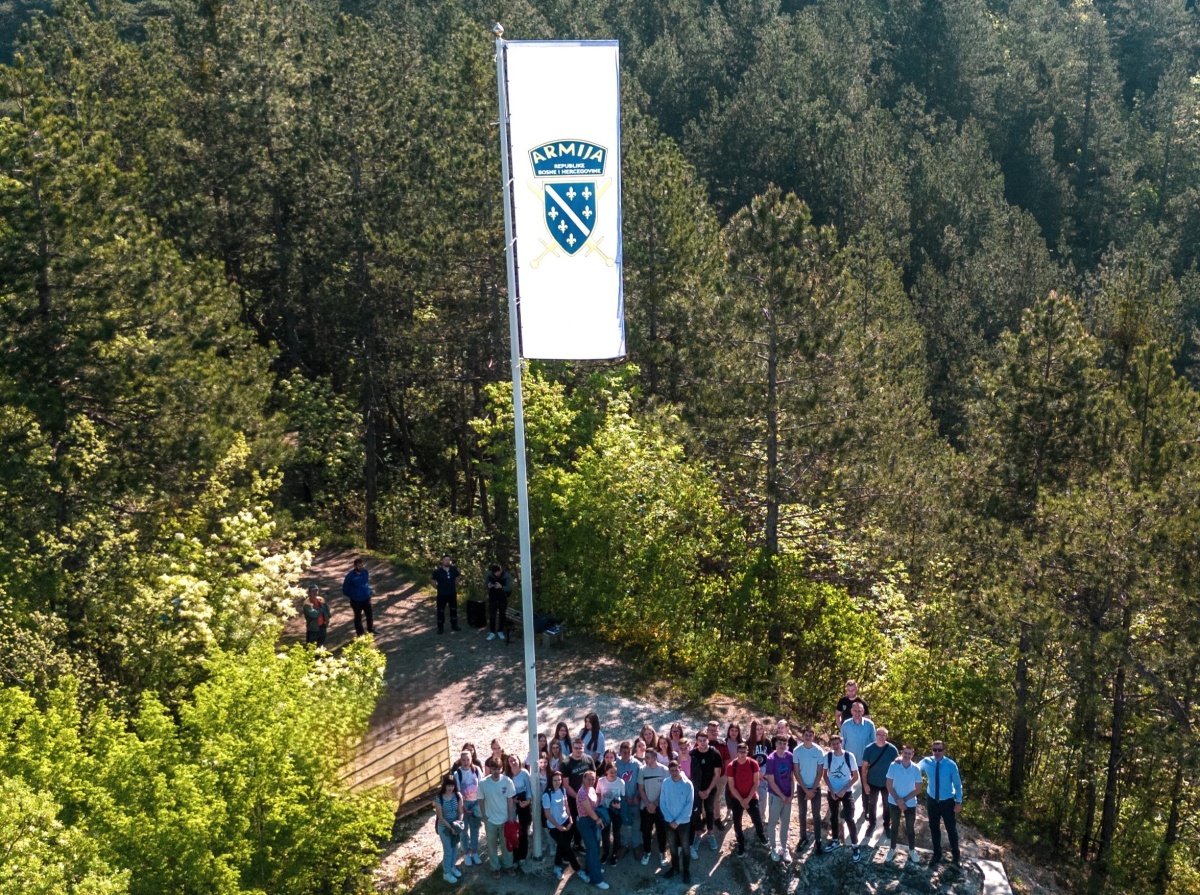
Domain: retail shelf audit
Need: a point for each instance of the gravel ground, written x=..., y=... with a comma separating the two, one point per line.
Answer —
x=479, y=687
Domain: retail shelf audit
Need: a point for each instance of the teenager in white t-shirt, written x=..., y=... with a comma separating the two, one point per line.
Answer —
x=904, y=786
x=840, y=773
x=809, y=758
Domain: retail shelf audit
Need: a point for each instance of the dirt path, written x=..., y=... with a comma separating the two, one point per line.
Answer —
x=479, y=687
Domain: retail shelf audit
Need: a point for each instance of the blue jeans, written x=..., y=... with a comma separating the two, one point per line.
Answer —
x=631, y=820
x=449, y=848
x=591, y=846
x=470, y=833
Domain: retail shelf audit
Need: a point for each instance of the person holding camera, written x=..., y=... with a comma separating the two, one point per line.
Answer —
x=499, y=587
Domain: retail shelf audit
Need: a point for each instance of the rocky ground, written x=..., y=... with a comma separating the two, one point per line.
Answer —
x=480, y=688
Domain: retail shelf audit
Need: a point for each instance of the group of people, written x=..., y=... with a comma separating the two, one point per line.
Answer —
x=356, y=588
x=669, y=791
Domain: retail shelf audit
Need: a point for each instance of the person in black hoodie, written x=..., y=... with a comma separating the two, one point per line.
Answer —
x=499, y=586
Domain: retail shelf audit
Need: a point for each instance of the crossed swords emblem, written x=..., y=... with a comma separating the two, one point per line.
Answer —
x=592, y=246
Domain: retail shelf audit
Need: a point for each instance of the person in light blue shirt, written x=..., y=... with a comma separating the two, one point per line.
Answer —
x=903, y=788
x=857, y=732
x=675, y=802
x=943, y=799
x=628, y=769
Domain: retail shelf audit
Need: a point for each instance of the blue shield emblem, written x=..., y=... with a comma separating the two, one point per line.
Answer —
x=570, y=213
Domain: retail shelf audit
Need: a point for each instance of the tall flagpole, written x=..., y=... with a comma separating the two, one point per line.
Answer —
x=514, y=336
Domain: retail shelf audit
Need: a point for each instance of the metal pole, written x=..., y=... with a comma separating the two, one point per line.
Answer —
x=514, y=335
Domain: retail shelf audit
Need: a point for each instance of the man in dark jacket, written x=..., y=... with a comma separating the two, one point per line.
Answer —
x=445, y=579
x=357, y=587
x=499, y=587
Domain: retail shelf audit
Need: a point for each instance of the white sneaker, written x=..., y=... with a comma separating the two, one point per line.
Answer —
x=912, y=856
x=478, y=860
x=891, y=855
x=450, y=878
x=695, y=852
x=458, y=873
x=785, y=857
x=665, y=862
x=712, y=841
x=602, y=885
x=583, y=876
x=502, y=636
x=775, y=856
x=645, y=859
x=491, y=635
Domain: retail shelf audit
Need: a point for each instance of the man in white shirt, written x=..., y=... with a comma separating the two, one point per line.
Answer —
x=840, y=774
x=650, y=781
x=903, y=787
x=497, y=793
x=807, y=759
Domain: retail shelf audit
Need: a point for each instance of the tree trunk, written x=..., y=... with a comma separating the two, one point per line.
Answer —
x=1162, y=875
x=367, y=335
x=371, y=468
x=1108, y=813
x=771, y=530
x=1020, y=730
x=1085, y=791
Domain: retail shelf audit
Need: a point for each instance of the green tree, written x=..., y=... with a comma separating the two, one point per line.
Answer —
x=673, y=262
x=237, y=794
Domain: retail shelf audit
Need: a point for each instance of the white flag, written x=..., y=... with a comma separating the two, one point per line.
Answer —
x=564, y=134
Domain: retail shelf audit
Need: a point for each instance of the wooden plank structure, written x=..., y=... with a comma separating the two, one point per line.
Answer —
x=409, y=754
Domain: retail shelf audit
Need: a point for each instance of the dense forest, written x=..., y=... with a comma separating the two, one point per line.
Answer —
x=911, y=396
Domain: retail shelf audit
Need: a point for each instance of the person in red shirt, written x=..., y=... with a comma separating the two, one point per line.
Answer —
x=742, y=794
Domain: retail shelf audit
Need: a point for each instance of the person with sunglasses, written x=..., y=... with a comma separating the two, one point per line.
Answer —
x=943, y=799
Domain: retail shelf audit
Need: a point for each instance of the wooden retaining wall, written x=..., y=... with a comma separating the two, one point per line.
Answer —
x=409, y=755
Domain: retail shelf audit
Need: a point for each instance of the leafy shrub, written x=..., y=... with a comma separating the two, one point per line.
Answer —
x=237, y=794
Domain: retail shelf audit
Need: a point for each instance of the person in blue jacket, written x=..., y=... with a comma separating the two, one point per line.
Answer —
x=675, y=801
x=357, y=588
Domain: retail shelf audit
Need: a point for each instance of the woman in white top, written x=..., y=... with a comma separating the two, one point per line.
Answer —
x=612, y=791
x=666, y=751
x=675, y=736
x=554, y=756
x=558, y=822
x=649, y=735
x=593, y=739
x=524, y=804
x=562, y=735
x=467, y=773
x=448, y=810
